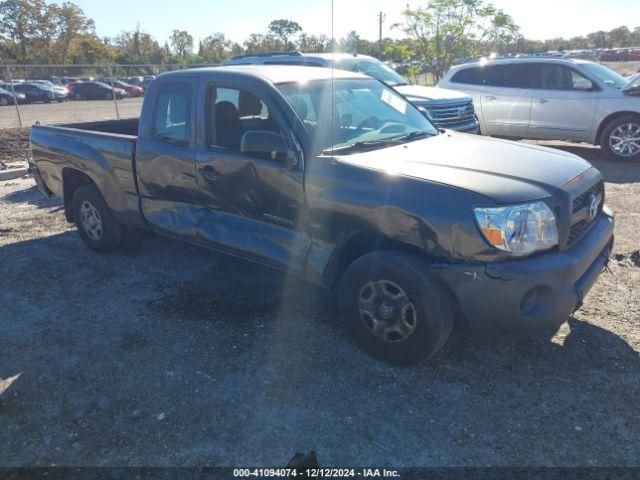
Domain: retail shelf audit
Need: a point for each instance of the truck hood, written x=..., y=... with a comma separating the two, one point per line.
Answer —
x=501, y=170
x=418, y=94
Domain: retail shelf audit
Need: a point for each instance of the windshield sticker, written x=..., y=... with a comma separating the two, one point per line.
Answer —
x=393, y=101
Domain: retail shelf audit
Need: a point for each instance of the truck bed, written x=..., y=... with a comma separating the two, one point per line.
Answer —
x=103, y=151
x=123, y=126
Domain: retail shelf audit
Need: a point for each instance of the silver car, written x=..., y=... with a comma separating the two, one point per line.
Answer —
x=553, y=99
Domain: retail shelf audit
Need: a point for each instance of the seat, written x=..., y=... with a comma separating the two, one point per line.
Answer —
x=228, y=129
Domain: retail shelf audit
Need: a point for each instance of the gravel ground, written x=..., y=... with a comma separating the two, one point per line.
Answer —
x=167, y=354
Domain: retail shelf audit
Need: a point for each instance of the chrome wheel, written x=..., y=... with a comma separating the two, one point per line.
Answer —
x=624, y=140
x=387, y=311
x=91, y=221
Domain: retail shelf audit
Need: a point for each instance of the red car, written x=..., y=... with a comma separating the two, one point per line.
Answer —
x=633, y=55
x=132, y=90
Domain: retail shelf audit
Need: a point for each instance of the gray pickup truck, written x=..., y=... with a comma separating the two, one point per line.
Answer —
x=338, y=179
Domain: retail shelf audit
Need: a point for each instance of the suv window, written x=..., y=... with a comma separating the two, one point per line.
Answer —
x=510, y=75
x=469, y=76
x=559, y=77
x=172, y=113
x=231, y=112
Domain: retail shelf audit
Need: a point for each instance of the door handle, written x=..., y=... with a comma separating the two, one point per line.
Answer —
x=490, y=97
x=543, y=100
x=210, y=174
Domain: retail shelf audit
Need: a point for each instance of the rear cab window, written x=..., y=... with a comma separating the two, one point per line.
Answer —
x=172, y=113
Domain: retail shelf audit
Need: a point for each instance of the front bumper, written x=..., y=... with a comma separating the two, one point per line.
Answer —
x=534, y=293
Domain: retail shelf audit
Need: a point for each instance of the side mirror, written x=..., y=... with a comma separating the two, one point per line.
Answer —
x=267, y=146
x=584, y=84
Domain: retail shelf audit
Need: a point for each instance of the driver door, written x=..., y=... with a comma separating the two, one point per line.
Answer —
x=253, y=204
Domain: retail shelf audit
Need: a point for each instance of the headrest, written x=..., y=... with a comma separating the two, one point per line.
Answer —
x=248, y=104
x=226, y=113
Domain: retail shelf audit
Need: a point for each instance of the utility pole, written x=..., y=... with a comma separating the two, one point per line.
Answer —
x=381, y=17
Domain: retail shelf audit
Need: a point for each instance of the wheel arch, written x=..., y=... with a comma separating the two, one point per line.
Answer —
x=605, y=121
x=357, y=244
x=72, y=179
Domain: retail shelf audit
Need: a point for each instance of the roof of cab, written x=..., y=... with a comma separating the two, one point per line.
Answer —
x=270, y=73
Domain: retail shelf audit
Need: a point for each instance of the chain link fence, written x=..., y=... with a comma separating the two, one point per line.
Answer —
x=20, y=109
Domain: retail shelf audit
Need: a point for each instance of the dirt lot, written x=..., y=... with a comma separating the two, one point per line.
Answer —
x=167, y=354
x=69, y=111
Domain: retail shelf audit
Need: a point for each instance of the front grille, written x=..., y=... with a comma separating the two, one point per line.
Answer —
x=581, y=200
x=581, y=217
x=450, y=115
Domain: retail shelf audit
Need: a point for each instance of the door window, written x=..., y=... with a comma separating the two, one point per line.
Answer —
x=559, y=77
x=469, y=76
x=510, y=76
x=231, y=112
x=172, y=113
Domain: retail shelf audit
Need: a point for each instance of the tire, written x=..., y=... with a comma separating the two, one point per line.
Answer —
x=101, y=232
x=108, y=96
x=4, y=101
x=426, y=311
x=625, y=126
x=77, y=96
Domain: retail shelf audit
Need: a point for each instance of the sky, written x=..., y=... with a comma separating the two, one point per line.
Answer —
x=538, y=19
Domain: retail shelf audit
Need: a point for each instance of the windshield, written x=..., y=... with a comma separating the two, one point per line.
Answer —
x=360, y=110
x=372, y=68
x=604, y=74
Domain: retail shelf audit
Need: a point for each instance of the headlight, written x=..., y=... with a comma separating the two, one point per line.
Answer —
x=519, y=229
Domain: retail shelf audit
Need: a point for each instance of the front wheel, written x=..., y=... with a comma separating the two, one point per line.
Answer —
x=96, y=224
x=394, y=309
x=621, y=138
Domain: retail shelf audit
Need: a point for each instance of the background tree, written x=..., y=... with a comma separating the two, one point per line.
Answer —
x=181, y=43
x=284, y=29
x=447, y=30
x=215, y=48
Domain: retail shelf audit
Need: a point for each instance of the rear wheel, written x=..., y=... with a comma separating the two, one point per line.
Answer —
x=394, y=309
x=96, y=224
x=621, y=138
x=4, y=101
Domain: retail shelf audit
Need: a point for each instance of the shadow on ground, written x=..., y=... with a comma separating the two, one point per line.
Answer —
x=167, y=354
x=613, y=172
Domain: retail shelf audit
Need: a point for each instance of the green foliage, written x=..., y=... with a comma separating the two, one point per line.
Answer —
x=181, y=43
x=447, y=30
x=284, y=29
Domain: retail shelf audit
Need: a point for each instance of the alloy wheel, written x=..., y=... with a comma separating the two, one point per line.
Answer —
x=91, y=220
x=624, y=140
x=387, y=311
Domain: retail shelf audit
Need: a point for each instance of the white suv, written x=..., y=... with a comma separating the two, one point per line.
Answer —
x=553, y=99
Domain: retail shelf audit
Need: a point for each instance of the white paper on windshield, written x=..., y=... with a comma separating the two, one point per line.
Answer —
x=393, y=101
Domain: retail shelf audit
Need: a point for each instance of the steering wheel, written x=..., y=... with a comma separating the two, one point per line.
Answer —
x=370, y=122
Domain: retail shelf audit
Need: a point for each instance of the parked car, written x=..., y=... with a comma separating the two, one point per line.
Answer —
x=338, y=179
x=445, y=108
x=553, y=99
x=7, y=97
x=60, y=92
x=131, y=90
x=34, y=92
x=94, y=91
